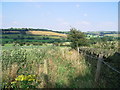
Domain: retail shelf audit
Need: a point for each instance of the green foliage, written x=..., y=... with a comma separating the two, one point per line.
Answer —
x=61, y=71
x=77, y=38
x=106, y=45
x=23, y=81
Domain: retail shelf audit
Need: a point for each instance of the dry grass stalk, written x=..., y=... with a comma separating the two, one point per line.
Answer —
x=13, y=71
x=40, y=69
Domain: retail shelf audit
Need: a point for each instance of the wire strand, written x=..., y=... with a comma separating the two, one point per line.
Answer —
x=104, y=63
x=111, y=67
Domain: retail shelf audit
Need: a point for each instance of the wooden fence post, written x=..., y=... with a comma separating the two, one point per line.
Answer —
x=46, y=66
x=99, y=63
x=46, y=73
x=78, y=50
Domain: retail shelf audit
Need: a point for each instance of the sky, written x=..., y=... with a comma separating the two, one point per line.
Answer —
x=61, y=16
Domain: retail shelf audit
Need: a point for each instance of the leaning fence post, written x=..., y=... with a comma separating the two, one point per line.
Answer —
x=99, y=63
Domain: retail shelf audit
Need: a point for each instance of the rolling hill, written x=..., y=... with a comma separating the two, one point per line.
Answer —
x=32, y=35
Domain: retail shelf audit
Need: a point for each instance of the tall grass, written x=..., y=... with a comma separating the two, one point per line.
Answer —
x=65, y=67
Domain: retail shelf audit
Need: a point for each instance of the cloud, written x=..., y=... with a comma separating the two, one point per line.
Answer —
x=107, y=26
x=38, y=6
x=59, y=19
x=15, y=23
x=48, y=13
x=62, y=21
x=65, y=23
x=77, y=5
x=83, y=23
x=85, y=14
x=95, y=26
x=1, y=17
x=30, y=0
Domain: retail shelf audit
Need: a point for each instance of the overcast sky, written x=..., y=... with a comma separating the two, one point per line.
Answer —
x=85, y=16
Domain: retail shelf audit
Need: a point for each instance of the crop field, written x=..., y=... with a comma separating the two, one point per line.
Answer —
x=32, y=37
x=26, y=68
x=45, y=33
x=114, y=35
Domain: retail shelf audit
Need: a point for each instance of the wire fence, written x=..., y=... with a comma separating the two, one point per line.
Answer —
x=111, y=67
x=96, y=58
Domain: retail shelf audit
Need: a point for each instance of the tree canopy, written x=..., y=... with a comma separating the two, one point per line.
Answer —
x=77, y=38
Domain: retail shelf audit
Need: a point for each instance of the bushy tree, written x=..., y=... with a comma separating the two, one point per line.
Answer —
x=77, y=38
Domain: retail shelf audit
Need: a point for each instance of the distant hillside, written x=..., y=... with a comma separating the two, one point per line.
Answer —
x=102, y=33
x=24, y=35
x=34, y=32
x=49, y=33
x=28, y=35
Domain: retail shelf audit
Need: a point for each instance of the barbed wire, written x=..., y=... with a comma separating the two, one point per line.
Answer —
x=91, y=56
x=103, y=63
x=111, y=67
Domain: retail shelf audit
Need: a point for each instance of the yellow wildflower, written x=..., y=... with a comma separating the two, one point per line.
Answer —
x=70, y=52
x=31, y=79
x=13, y=82
x=25, y=78
x=21, y=78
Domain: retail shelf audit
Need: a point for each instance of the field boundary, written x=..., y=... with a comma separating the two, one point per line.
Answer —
x=100, y=61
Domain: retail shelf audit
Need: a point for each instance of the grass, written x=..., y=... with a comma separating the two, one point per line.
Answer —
x=66, y=69
x=70, y=72
x=8, y=45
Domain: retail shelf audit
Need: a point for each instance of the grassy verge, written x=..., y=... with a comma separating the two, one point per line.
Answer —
x=66, y=69
x=69, y=70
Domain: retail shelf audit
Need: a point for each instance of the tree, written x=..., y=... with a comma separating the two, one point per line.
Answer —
x=77, y=38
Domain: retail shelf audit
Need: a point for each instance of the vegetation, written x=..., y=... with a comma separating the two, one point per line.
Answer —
x=77, y=38
x=65, y=68
x=44, y=59
x=32, y=36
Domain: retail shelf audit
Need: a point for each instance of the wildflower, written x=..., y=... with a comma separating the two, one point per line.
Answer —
x=25, y=78
x=31, y=79
x=21, y=78
x=70, y=52
x=13, y=82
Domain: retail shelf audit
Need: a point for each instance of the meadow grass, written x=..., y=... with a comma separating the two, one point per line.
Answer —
x=66, y=68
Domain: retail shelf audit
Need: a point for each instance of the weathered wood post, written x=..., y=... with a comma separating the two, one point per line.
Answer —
x=99, y=63
x=46, y=66
x=46, y=73
x=78, y=50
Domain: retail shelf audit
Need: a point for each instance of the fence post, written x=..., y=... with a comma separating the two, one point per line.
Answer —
x=78, y=50
x=99, y=63
x=46, y=73
x=46, y=66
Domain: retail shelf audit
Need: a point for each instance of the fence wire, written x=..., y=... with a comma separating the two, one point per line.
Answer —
x=111, y=67
x=103, y=63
